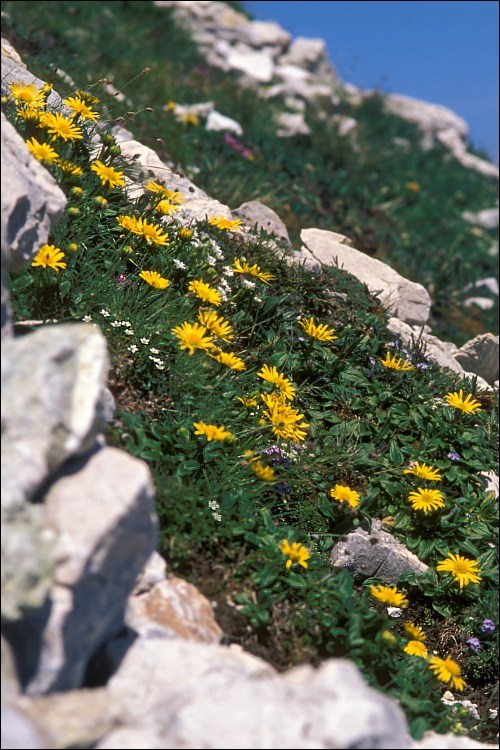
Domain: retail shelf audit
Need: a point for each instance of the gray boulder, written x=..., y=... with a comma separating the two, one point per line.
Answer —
x=255, y=213
x=480, y=356
x=375, y=554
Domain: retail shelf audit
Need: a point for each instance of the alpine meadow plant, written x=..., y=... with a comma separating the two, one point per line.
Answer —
x=275, y=410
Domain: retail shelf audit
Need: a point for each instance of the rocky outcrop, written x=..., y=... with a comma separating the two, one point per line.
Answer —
x=408, y=301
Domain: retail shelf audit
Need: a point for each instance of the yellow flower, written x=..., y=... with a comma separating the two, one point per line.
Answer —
x=49, y=257
x=165, y=207
x=222, y=223
x=318, y=331
x=27, y=94
x=416, y=632
x=212, y=432
x=42, y=151
x=193, y=336
x=272, y=375
x=295, y=552
x=61, y=127
x=108, y=175
x=463, y=570
x=447, y=670
x=389, y=595
x=189, y=118
x=127, y=222
x=413, y=187
x=388, y=637
x=154, y=279
x=185, y=233
x=264, y=472
x=285, y=421
x=345, y=495
x=426, y=500
x=423, y=471
x=151, y=232
x=249, y=401
x=69, y=168
x=467, y=404
x=254, y=270
x=396, y=363
x=205, y=292
x=218, y=326
x=230, y=360
x=79, y=107
x=416, y=648
x=170, y=195
x=29, y=113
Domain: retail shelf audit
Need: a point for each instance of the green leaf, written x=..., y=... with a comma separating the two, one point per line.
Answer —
x=395, y=454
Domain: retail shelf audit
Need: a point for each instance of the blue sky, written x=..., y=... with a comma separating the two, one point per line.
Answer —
x=445, y=52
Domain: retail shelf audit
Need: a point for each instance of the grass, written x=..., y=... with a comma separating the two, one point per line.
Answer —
x=227, y=505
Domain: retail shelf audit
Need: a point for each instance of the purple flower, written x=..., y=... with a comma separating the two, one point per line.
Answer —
x=474, y=644
x=453, y=456
x=422, y=366
x=488, y=626
x=372, y=361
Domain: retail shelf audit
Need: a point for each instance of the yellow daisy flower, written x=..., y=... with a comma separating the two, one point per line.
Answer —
x=166, y=207
x=423, y=471
x=468, y=404
x=42, y=151
x=389, y=595
x=285, y=421
x=216, y=325
x=108, y=175
x=49, y=256
x=271, y=375
x=318, y=331
x=212, y=432
x=151, y=232
x=463, y=570
x=416, y=648
x=229, y=359
x=79, y=107
x=264, y=472
x=193, y=336
x=254, y=270
x=221, y=222
x=447, y=671
x=28, y=95
x=72, y=170
x=61, y=127
x=426, y=500
x=170, y=195
x=396, y=363
x=295, y=552
x=205, y=292
x=185, y=233
x=154, y=279
x=345, y=495
x=127, y=222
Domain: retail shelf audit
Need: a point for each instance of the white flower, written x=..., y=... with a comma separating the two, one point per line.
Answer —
x=105, y=313
x=228, y=271
x=217, y=517
x=210, y=260
x=247, y=283
x=115, y=324
x=394, y=611
x=126, y=323
x=129, y=332
x=133, y=348
x=159, y=367
x=179, y=263
x=154, y=351
x=144, y=341
x=87, y=318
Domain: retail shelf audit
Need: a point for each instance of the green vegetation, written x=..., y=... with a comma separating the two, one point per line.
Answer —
x=275, y=410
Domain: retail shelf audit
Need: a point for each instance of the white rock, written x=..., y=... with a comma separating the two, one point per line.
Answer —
x=487, y=218
x=407, y=300
x=256, y=65
x=216, y=121
x=485, y=303
x=292, y=123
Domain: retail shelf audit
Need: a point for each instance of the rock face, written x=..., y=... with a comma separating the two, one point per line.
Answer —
x=375, y=554
x=480, y=356
x=255, y=214
x=408, y=301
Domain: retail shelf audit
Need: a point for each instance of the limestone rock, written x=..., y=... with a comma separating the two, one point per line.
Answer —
x=195, y=695
x=431, y=118
x=52, y=383
x=173, y=607
x=480, y=356
x=101, y=511
x=291, y=124
x=435, y=741
x=487, y=218
x=154, y=571
x=312, y=55
x=255, y=213
x=376, y=554
x=255, y=64
x=406, y=300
